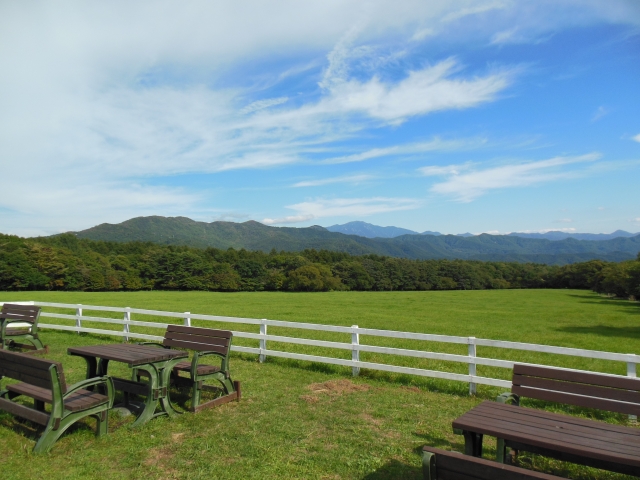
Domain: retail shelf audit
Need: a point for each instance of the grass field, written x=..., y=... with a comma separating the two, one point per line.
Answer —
x=301, y=420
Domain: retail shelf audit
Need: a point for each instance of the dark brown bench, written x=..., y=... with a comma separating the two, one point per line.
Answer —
x=203, y=342
x=19, y=323
x=443, y=465
x=43, y=381
x=569, y=438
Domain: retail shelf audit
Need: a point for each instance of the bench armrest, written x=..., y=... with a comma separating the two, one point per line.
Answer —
x=84, y=384
x=224, y=366
x=508, y=398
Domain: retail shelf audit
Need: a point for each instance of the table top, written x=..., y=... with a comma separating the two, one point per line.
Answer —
x=553, y=431
x=128, y=353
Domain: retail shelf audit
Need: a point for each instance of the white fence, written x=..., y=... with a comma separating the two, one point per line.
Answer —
x=355, y=346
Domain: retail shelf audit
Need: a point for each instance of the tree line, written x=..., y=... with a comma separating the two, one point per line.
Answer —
x=67, y=263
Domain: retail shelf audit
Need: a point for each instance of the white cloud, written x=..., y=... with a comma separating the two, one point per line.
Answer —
x=286, y=220
x=434, y=145
x=564, y=220
x=435, y=171
x=338, y=207
x=468, y=186
x=354, y=179
x=262, y=104
x=547, y=230
x=636, y=138
x=423, y=91
x=600, y=112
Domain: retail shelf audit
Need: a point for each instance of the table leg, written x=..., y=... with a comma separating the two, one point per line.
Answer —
x=473, y=443
x=165, y=384
x=91, y=369
x=151, y=401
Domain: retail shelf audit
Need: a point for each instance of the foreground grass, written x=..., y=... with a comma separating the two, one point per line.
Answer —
x=301, y=420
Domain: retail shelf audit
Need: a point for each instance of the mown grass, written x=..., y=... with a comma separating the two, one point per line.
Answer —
x=302, y=420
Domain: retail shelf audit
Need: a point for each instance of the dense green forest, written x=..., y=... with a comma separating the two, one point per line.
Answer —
x=65, y=262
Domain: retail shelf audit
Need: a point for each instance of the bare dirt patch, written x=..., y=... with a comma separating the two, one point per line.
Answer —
x=332, y=388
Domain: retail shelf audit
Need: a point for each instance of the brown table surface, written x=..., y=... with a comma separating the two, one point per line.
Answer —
x=128, y=353
x=564, y=434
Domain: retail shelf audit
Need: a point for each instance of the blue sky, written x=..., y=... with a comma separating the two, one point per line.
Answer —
x=479, y=116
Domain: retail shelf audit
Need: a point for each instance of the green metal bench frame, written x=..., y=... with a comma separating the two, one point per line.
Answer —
x=203, y=342
x=17, y=314
x=43, y=380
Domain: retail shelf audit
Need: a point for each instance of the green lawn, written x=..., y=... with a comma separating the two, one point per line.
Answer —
x=301, y=420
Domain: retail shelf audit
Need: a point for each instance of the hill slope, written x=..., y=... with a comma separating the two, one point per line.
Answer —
x=256, y=236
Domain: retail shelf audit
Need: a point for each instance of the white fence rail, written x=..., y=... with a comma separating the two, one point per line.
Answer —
x=355, y=346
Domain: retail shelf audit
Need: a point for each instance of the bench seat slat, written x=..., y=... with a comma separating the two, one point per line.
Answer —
x=77, y=401
x=625, y=383
x=202, y=369
x=587, y=402
x=41, y=418
x=205, y=332
x=195, y=346
x=577, y=388
x=456, y=466
x=222, y=342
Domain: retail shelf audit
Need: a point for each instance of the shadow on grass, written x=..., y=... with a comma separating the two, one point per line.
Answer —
x=394, y=470
x=613, y=302
x=603, y=331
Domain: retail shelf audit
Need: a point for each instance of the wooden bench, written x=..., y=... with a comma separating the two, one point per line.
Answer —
x=574, y=439
x=20, y=323
x=203, y=342
x=43, y=381
x=443, y=465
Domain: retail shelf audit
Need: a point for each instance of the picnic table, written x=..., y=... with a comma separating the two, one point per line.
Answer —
x=572, y=439
x=156, y=362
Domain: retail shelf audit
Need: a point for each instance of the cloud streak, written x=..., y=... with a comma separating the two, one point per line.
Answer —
x=465, y=187
x=339, y=207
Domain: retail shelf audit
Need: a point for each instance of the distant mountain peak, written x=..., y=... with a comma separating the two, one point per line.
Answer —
x=368, y=230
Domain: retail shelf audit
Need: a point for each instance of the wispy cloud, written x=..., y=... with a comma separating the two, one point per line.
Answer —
x=262, y=104
x=434, y=145
x=354, y=179
x=437, y=171
x=338, y=207
x=602, y=111
x=424, y=91
x=636, y=138
x=468, y=186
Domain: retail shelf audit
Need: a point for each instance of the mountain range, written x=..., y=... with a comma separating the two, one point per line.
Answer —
x=368, y=230
x=252, y=235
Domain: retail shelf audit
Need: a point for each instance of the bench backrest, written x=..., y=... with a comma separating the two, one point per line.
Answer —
x=198, y=339
x=444, y=465
x=32, y=370
x=583, y=389
x=21, y=313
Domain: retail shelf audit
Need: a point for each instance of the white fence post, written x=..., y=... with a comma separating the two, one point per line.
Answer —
x=78, y=321
x=187, y=319
x=472, y=364
x=127, y=318
x=355, y=352
x=263, y=341
x=631, y=372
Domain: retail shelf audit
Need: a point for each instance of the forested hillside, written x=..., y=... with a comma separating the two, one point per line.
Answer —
x=256, y=236
x=67, y=263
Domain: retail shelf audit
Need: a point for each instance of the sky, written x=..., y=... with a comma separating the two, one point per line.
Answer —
x=449, y=115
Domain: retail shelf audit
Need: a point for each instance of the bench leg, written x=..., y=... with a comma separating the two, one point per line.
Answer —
x=429, y=466
x=102, y=427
